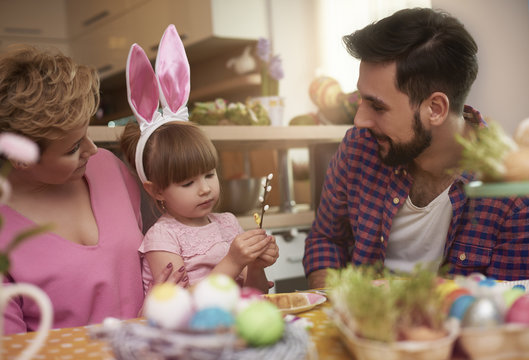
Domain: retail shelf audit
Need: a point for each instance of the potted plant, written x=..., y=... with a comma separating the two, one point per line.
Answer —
x=271, y=72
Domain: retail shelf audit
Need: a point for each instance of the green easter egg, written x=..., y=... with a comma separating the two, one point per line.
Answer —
x=260, y=323
x=509, y=296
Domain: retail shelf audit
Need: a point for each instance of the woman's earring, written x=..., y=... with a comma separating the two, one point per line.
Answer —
x=162, y=205
x=20, y=165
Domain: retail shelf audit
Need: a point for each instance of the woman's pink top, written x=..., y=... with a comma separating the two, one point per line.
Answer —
x=201, y=248
x=85, y=283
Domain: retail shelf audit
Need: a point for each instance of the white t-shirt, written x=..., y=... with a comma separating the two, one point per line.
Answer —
x=418, y=235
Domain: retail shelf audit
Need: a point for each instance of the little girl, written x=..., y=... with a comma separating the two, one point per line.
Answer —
x=176, y=163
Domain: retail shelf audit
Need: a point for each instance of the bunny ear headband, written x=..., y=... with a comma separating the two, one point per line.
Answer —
x=145, y=89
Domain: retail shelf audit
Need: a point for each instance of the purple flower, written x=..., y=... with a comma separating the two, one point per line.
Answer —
x=271, y=68
x=18, y=148
x=275, y=68
x=263, y=49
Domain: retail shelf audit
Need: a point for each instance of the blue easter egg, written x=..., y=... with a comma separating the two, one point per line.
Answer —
x=519, y=286
x=460, y=306
x=211, y=318
x=489, y=282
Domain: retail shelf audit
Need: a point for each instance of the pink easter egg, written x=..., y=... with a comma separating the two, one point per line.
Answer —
x=519, y=311
x=250, y=293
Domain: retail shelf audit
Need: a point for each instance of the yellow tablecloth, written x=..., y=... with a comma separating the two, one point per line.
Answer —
x=76, y=344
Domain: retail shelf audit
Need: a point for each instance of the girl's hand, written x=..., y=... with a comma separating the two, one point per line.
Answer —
x=249, y=245
x=269, y=256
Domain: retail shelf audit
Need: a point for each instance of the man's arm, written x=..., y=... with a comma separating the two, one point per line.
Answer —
x=326, y=245
x=317, y=279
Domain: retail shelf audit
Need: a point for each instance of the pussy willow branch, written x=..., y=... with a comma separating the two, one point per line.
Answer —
x=267, y=183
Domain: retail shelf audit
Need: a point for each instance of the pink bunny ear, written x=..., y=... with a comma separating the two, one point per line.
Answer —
x=172, y=68
x=142, y=86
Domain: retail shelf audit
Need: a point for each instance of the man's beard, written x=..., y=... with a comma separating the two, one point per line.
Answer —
x=401, y=154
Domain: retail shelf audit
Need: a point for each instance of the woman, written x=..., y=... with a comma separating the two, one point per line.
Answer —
x=88, y=264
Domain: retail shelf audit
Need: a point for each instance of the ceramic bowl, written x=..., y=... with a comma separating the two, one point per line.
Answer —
x=239, y=196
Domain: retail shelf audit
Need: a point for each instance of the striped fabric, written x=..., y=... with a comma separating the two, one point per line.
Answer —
x=361, y=196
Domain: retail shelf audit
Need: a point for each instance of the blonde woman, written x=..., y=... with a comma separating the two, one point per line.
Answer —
x=88, y=264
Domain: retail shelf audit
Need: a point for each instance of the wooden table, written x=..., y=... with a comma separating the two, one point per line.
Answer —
x=76, y=344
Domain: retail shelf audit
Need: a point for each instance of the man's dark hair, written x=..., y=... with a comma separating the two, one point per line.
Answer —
x=432, y=50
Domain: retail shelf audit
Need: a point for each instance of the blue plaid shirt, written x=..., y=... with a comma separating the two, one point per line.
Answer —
x=361, y=196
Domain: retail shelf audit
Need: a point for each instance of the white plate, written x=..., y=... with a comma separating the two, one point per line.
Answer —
x=313, y=300
x=511, y=284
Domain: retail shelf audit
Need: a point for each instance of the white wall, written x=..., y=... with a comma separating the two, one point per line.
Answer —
x=500, y=27
x=293, y=35
x=501, y=30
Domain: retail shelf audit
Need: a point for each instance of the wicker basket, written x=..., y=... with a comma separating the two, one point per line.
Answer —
x=364, y=349
x=139, y=341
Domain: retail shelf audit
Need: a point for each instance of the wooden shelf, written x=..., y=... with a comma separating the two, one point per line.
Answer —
x=233, y=137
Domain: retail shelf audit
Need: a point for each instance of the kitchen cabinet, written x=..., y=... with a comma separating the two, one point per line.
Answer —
x=28, y=22
x=103, y=31
x=85, y=16
x=106, y=46
x=33, y=24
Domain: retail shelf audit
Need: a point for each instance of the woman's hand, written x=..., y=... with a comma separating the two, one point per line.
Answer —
x=178, y=277
x=167, y=267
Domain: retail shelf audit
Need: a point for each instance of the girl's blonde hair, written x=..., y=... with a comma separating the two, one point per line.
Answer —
x=44, y=95
x=175, y=152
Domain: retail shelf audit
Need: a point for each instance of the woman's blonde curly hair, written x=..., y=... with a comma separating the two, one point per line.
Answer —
x=44, y=95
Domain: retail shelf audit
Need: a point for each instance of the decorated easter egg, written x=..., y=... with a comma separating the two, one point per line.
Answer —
x=260, y=323
x=251, y=293
x=325, y=92
x=168, y=306
x=483, y=312
x=510, y=295
x=460, y=306
x=489, y=282
x=248, y=295
x=477, y=277
x=446, y=287
x=216, y=290
x=519, y=286
x=211, y=318
x=519, y=311
x=453, y=296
